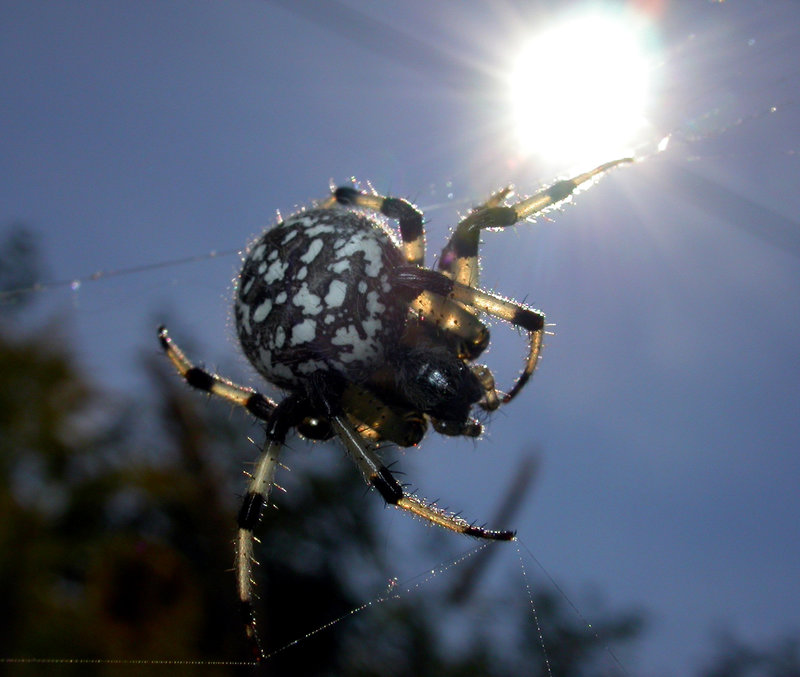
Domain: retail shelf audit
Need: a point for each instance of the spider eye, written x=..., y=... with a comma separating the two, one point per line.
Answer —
x=436, y=379
x=315, y=429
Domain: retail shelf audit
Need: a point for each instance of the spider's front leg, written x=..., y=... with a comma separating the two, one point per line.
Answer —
x=421, y=281
x=378, y=475
x=459, y=257
x=450, y=300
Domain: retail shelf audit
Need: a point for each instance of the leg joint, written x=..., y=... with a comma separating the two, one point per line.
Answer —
x=528, y=319
x=250, y=512
x=200, y=379
x=387, y=486
x=345, y=195
x=260, y=406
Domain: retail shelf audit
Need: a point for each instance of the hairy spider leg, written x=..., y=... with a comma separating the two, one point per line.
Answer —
x=379, y=476
x=262, y=478
x=419, y=280
x=257, y=404
x=258, y=491
x=412, y=231
x=459, y=257
x=284, y=417
x=466, y=269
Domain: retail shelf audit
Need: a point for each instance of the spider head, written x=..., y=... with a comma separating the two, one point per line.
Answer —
x=438, y=383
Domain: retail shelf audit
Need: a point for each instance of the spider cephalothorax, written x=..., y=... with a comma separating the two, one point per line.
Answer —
x=369, y=345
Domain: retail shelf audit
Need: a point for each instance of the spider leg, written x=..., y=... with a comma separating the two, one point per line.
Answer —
x=279, y=418
x=486, y=379
x=419, y=280
x=378, y=475
x=249, y=515
x=285, y=415
x=469, y=428
x=257, y=404
x=459, y=257
x=452, y=322
x=412, y=231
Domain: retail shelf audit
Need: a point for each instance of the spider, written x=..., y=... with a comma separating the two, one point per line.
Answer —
x=370, y=346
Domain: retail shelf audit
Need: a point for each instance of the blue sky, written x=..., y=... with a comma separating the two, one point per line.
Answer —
x=666, y=407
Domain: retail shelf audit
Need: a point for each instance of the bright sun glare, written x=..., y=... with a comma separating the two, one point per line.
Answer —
x=579, y=88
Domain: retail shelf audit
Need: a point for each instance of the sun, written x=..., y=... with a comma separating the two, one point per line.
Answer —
x=579, y=88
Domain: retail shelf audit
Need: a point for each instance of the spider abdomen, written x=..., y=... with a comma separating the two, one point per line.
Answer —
x=315, y=294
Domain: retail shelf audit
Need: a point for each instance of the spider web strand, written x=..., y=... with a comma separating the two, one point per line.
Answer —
x=76, y=282
x=535, y=615
x=407, y=588
x=118, y=661
x=571, y=604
